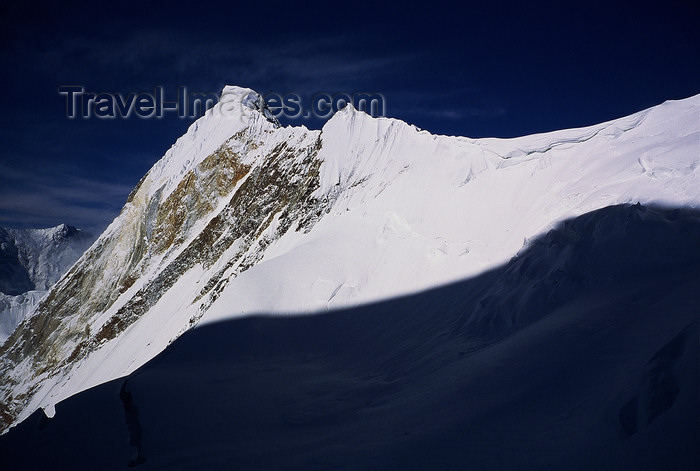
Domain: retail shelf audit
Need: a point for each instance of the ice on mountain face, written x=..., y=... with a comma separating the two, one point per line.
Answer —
x=14, y=309
x=44, y=254
x=31, y=261
x=242, y=216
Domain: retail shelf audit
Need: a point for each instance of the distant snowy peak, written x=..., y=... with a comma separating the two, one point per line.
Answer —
x=34, y=259
x=31, y=261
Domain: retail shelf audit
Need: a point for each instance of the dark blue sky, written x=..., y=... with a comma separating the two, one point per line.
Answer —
x=488, y=69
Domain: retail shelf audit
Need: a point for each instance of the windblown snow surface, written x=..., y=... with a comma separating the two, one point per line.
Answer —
x=436, y=348
x=580, y=353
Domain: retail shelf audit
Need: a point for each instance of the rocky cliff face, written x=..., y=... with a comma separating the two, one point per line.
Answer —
x=234, y=200
x=243, y=216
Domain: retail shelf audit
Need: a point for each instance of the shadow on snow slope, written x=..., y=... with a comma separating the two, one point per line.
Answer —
x=580, y=353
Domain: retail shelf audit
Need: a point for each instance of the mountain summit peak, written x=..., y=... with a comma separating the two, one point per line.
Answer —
x=239, y=100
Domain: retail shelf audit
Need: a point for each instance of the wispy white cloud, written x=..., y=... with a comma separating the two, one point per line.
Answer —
x=38, y=197
x=459, y=101
x=299, y=65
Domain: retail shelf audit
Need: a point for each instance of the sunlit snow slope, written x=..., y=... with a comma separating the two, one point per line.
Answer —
x=581, y=353
x=242, y=216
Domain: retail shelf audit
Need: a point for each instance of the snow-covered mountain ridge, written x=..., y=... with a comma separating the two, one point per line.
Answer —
x=243, y=216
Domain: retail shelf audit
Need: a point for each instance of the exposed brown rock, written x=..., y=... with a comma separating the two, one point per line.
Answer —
x=58, y=334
